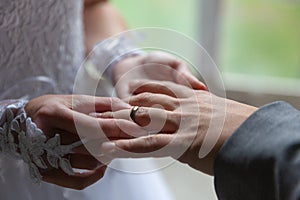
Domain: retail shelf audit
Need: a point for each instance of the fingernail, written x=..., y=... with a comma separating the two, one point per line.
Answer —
x=108, y=147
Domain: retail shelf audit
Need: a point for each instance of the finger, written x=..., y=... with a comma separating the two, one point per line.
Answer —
x=180, y=71
x=121, y=114
x=123, y=128
x=96, y=128
x=185, y=77
x=153, y=120
x=77, y=181
x=156, y=120
x=89, y=146
x=142, y=86
x=81, y=161
x=79, y=124
x=161, y=87
x=87, y=104
x=69, y=138
x=144, y=145
x=148, y=99
x=159, y=145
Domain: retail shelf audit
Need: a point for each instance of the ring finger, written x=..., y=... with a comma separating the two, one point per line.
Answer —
x=153, y=120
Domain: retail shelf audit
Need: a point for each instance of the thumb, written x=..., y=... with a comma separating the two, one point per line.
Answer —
x=188, y=79
x=185, y=77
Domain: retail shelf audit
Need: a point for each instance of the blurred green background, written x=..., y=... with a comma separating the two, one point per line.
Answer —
x=180, y=15
x=257, y=37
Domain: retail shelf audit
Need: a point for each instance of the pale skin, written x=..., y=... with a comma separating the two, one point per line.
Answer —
x=187, y=114
x=153, y=66
x=55, y=114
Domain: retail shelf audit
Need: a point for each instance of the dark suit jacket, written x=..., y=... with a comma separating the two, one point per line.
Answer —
x=261, y=160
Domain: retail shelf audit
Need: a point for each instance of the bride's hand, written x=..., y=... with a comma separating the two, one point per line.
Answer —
x=69, y=116
x=153, y=66
x=192, y=124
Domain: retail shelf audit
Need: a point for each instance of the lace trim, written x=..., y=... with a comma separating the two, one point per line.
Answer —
x=20, y=138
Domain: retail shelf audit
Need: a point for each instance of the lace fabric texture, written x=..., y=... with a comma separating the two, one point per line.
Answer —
x=40, y=38
x=38, y=55
x=20, y=137
x=41, y=48
x=113, y=50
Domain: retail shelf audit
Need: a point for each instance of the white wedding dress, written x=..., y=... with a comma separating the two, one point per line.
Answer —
x=41, y=48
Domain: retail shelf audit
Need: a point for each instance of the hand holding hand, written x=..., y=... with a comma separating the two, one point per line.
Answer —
x=153, y=66
x=68, y=115
x=189, y=119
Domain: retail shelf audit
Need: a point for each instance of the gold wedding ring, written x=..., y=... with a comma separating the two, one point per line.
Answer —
x=134, y=109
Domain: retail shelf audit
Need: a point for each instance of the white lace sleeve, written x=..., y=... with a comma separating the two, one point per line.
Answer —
x=107, y=53
x=20, y=138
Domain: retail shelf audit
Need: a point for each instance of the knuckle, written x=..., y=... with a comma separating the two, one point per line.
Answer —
x=174, y=120
x=116, y=103
x=143, y=97
x=115, y=100
x=150, y=141
x=162, y=87
x=142, y=112
x=45, y=112
x=174, y=104
x=128, y=145
x=146, y=96
x=142, y=115
x=177, y=102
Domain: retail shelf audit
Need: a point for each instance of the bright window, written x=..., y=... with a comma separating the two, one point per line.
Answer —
x=254, y=37
x=180, y=15
x=260, y=37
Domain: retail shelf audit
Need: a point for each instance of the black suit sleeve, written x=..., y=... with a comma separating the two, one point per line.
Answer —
x=261, y=160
